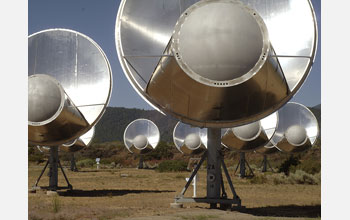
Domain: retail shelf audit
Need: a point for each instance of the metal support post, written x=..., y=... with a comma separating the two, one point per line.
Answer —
x=73, y=165
x=53, y=160
x=214, y=165
x=242, y=164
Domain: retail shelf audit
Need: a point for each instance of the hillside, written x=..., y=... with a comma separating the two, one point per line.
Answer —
x=114, y=121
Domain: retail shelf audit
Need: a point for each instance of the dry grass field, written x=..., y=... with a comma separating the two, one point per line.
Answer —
x=129, y=193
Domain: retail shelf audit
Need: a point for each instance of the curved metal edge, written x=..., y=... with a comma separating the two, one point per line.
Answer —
x=63, y=98
x=313, y=54
x=141, y=119
x=126, y=71
x=225, y=83
x=178, y=147
x=318, y=128
x=106, y=60
x=214, y=124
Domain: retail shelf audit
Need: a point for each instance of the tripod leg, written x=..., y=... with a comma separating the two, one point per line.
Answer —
x=270, y=166
x=193, y=174
x=250, y=169
x=69, y=185
x=229, y=180
x=42, y=172
x=237, y=167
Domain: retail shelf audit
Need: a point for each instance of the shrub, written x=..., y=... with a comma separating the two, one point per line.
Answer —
x=172, y=166
x=163, y=151
x=310, y=166
x=279, y=179
x=38, y=158
x=258, y=179
x=287, y=164
x=301, y=177
x=85, y=163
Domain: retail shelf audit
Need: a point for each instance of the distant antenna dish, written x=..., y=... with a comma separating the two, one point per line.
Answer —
x=80, y=143
x=252, y=136
x=246, y=62
x=297, y=128
x=69, y=86
x=268, y=149
x=141, y=136
x=44, y=149
x=189, y=139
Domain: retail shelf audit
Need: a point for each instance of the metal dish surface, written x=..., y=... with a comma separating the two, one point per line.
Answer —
x=236, y=138
x=81, y=68
x=144, y=30
x=268, y=149
x=141, y=127
x=80, y=143
x=295, y=114
x=182, y=131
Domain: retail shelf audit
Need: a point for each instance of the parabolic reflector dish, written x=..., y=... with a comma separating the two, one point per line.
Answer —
x=189, y=139
x=267, y=149
x=80, y=143
x=251, y=136
x=44, y=149
x=297, y=128
x=216, y=63
x=69, y=86
x=141, y=136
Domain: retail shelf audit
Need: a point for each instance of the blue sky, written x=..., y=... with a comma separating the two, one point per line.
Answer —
x=96, y=19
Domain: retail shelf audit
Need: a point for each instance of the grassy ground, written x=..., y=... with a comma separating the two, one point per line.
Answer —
x=146, y=194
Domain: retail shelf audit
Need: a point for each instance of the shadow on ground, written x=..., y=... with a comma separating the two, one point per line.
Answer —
x=106, y=192
x=285, y=211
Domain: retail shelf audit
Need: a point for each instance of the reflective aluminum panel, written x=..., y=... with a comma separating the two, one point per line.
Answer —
x=295, y=114
x=141, y=136
x=268, y=149
x=80, y=143
x=81, y=68
x=183, y=133
x=251, y=136
x=145, y=28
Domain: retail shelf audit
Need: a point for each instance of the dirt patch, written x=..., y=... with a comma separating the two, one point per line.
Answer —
x=147, y=194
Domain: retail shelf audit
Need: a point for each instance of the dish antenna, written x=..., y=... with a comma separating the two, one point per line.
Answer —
x=141, y=136
x=249, y=137
x=69, y=87
x=241, y=66
x=77, y=145
x=190, y=140
x=80, y=143
x=297, y=128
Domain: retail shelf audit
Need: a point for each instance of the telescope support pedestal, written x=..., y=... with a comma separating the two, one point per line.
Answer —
x=215, y=186
x=242, y=165
x=53, y=173
x=264, y=165
x=73, y=165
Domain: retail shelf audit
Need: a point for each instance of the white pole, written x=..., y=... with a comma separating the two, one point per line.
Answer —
x=195, y=186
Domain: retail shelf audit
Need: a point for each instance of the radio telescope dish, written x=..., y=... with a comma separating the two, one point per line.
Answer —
x=141, y=136
x=80, y=143
x=69, y=86
x=44, y=149
x=297, y=128
x=189, y=139
x=251, y=136
x=268, y=149
x=246, y=62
